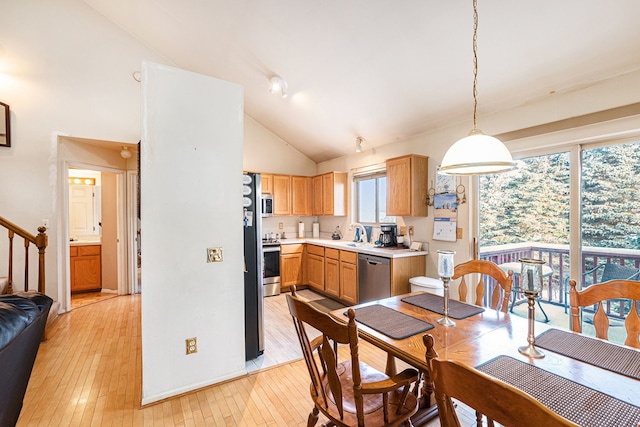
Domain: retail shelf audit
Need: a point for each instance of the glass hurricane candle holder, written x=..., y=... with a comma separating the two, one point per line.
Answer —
x=445, y=271
x=531, y=286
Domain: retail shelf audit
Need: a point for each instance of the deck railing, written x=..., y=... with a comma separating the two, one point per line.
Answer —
x=557, y=257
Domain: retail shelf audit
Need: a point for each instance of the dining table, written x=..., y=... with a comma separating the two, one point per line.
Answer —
x=588, y=380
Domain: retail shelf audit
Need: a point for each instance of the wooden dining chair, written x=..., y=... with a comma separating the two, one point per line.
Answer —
x=349, y=392
x=501, y=289
x=597, y=294
x=500, y=401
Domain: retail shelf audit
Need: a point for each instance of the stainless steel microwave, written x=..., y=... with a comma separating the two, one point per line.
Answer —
x=267, y=205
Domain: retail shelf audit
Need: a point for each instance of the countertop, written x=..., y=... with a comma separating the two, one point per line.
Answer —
x=85, y=243
x=365, y=248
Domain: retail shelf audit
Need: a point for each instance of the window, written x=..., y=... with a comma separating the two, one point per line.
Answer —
x=371, y=199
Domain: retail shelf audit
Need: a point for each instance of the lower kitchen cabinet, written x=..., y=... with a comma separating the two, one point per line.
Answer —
x=332, y=272
x=291, y=271
x=315, y=267
x=349, y=277
x=86, y=268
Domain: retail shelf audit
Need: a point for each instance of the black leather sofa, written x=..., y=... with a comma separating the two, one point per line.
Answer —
x=23, y=317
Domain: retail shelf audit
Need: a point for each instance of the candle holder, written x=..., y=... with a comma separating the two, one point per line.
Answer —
x=531, y=285
x=445, y=271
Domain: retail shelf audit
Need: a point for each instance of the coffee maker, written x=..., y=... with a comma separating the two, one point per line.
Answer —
x=387, y=235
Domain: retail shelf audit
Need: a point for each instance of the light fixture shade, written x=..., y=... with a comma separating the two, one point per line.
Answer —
x=477, y=154
x=359, y=141
x=278, y=85
x=125, y=153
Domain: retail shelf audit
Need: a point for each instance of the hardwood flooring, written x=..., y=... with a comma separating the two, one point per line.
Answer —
x=88, y=373
x=81, y=299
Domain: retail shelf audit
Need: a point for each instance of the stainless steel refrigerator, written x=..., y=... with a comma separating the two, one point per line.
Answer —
x=253, y=289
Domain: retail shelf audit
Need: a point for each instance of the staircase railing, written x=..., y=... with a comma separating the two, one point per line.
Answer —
x=40, y=241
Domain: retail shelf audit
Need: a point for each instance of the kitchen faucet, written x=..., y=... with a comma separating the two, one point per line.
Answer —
x=361, y=233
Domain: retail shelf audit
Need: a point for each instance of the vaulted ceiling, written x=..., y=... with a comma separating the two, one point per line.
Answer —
x=385, y=69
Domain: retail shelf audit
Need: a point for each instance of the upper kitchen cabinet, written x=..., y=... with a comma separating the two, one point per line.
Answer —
x=281, y=194
x=407, y=185
x=267, y=183
x=301, y=191
x=330, y=194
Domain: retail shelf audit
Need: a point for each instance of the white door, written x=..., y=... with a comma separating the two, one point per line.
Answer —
x=81, y=211
x=191, y=200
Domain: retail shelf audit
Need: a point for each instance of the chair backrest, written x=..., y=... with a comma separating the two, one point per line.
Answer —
x=501, y=290
x=612, y=289
x=321, y=354
x=497, y=400
x=617, y=271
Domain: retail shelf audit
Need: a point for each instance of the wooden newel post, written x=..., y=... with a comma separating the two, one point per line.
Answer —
x=42, y=240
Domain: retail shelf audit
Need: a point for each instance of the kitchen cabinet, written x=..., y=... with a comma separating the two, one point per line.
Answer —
x=86, y=268
x=267, y=183
x=332, y=272
x=301, y=188
x=316, y=202
x=349, y=277
x=330, y=194
x=281, y=195
x=407, y=185
x=291, y=271
x=315, y=267
x=403, y=269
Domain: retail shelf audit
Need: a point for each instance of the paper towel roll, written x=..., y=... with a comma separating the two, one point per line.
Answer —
x=316, y=230
x=301, y=230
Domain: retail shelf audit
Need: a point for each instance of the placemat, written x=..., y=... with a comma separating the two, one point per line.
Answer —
x=580, y=404
x=390, y=322
x=435, y=303
x=615, y=358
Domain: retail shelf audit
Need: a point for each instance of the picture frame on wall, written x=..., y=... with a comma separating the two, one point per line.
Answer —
x=5, y=125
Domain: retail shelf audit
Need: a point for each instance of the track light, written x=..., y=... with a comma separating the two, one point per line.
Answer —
x=278, y=84
x=359, y=141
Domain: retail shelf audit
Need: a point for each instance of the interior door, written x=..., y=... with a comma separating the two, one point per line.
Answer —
x=81, y=210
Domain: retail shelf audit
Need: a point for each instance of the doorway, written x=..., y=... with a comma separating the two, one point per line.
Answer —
x=101, y=245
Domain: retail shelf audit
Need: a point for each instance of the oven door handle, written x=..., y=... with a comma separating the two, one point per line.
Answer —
x=271, y=249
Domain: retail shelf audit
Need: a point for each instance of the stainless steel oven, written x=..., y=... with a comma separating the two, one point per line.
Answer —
x=271, y=268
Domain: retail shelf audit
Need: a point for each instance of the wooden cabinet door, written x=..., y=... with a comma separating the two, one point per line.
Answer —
x=327, y=194
x=349, y=282
x=332, y=277
x=267, y=183
x=301, y=195
x=316, y=205
x=290, y=270
x=281, y=195
x=399, y=186
x=86, y=269
x=315, y=271
x=407, y=185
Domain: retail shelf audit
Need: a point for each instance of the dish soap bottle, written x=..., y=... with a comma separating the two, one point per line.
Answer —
x=357, y=238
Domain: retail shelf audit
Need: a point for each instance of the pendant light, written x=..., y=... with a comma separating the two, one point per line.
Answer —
x=477, y=153
x=359, y=141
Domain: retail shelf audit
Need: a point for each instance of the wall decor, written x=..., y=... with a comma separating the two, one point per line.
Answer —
x=5, y=126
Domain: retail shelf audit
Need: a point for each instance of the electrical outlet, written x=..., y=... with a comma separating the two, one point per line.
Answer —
x=403, y=230
x=192, y=345
x=214, y=254
x=280, y=226
x=458, y=233
x=45, y=223
x=410, y=229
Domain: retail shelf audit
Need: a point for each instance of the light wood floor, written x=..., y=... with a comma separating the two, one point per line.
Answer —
x=85, y=298
x=88, y=373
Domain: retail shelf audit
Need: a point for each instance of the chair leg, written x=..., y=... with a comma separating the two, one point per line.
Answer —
x=313, y=417
x=478, y=419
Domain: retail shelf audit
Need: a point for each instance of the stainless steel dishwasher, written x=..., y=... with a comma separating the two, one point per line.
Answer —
x=374, y=278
